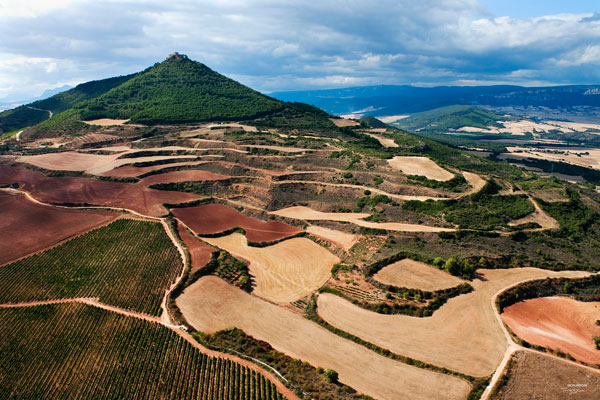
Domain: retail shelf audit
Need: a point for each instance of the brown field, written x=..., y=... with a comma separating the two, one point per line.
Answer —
x=210, y=305
x=533, y=375
x=420, y=166
x=341, y=239
x=94, y=138
x=209, y=219
x=463, y=335
x=182, y=176
x=200, y=252
x=307, y=214
x=29, y=227
x=86, y=191
x=130, y=170
x=558, y=323
x=477, y=183
x=284, y=272
x=386, y=142
x=342, y=122
x=95, y=164
x=575, y=156
x=106, y=122
x=416, y=275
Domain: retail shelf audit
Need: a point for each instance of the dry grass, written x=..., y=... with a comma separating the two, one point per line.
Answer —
x=106, y=122
x=211, y=305
x=558, y=323
x=538, y=376
x=308, y=214
x=539, y=216
x=341, y=239
x=95, y=164
x=386, y=142
x=416, y=275
x=342, y=122
x=284, y=272
x=423, y=166
x=463, y=335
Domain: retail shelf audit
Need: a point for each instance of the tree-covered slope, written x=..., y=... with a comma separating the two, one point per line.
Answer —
x=179, y=90
x=36, y=112
x=449, y=118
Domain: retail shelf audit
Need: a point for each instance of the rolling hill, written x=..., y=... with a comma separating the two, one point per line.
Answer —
x=36, y=112
x=179, y=90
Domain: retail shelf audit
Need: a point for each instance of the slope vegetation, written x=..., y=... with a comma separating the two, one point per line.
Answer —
x=179, y=90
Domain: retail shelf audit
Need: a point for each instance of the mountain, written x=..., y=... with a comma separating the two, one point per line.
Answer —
x=38, y=111
x=393, y=100
x=179, y=90
x=448, y=118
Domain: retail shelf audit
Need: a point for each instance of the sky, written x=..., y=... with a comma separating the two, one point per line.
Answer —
x=273, y=45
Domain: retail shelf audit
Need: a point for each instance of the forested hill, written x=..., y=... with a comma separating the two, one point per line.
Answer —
x=179, y=90
x=36, y=112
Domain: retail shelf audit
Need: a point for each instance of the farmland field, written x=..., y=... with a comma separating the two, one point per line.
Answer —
x=463, y=335
x=128, y=264
x=283, y=272
x=86, y=191
x=211, y=305
x=413, y=274
x=34, y=227
x=78, y=351
x=559, y=323
x=210, y=219
x=537, y=376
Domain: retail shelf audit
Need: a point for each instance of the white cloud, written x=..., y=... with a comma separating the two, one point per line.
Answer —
x=275, y=45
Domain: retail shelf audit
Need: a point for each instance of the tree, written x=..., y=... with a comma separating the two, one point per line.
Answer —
x=331, y=376
x=453, y=266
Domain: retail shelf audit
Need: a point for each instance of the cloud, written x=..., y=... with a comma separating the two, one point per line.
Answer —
x=278, y=45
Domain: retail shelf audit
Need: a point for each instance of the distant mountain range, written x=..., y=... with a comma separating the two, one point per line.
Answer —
x=394, y=100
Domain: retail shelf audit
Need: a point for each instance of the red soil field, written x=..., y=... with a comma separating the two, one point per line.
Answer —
x=558, y=323
x=200, y=252
x=209, y=219
x=28, y=227
x=188, y=175
x=78, y=191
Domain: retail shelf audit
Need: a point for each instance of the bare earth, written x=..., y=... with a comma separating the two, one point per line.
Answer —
x=106, y=122
x=463, y=335
x=341, y=239
x=386, y=142
x=28, y=227
x=559, y=323
x=420, y=166
x=538, y=376
x=284, y=272
x=416, y=275
x=95, y=164
x=539, y=216
x=307, y=214
x=342, y=122
x=576, y=156
x=210, y=305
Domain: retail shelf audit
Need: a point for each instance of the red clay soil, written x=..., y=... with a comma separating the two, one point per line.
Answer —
x=209, y=219
x=200, y=252
x=28, y=227
x=188, y=175
x=86, y=191
x=560, y=323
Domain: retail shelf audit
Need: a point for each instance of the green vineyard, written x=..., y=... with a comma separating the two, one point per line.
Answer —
x=75, y=351
x=127, y=264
